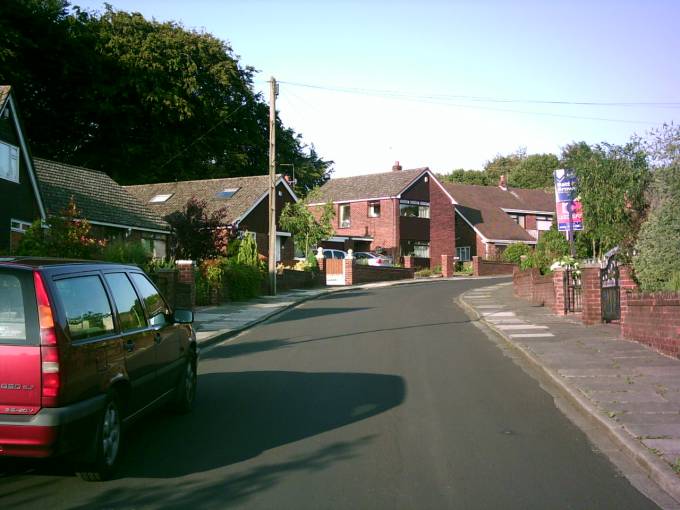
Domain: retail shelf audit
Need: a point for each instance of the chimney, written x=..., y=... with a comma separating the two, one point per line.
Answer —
x=502, y=184
x=396, y=167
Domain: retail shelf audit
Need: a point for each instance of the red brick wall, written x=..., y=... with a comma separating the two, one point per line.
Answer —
x=481, y=267
x=481, y=247
x=654, y=320
x=442, y=225
x=530, y=222
x=558, y=285
x=365, y=274
x=650, y=318
x=522, y=282
x=531, y=285
x=543, y=291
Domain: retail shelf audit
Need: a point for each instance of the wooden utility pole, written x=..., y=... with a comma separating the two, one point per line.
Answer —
x=272, y=186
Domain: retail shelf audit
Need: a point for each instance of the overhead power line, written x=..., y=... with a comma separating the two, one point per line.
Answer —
x=441, y=100
x=484, y=99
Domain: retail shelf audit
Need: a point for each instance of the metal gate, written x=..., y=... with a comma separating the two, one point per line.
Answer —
x=572, y=291
x=609, y=284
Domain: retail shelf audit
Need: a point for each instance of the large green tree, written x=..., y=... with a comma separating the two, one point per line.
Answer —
x=142, y=100
x=612, y=181
x=534, y=171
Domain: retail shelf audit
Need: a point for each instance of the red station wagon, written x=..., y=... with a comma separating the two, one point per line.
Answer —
x=86, y=347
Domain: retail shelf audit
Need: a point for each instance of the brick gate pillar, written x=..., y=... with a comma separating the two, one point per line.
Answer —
x=558, y=284
x=321, y=262
x=448, y=262
x=591, y=294
x=349, y=267
x=408, y=261
x=626, y=286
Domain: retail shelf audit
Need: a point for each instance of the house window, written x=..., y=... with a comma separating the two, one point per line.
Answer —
x=463, y=253
x=412, y=209
x=420, y=249
x=227, y=193
x=374, y=210
x=520, y=219
x=159, y=199
x=19, y=226
x=543, y=222
x=345, y=220
x=9, y=162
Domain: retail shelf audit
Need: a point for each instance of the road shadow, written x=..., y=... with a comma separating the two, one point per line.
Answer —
x=224, y=491
x=239, y=415
x=346, y=295
x=229, y=350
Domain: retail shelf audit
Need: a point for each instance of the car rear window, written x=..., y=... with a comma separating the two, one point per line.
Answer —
x=18, y=315
x=130, y=311
x=86, y=305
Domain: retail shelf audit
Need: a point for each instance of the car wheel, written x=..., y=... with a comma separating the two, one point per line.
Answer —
x=185, y=392
x=109, y=436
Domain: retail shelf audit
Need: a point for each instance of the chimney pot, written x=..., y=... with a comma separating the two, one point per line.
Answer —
x=396, y=167
x=502, y=184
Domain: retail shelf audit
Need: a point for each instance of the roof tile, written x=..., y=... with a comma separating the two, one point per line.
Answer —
x=97, y=196
x=358, y=187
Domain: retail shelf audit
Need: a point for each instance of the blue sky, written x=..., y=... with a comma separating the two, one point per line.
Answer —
x=395, y=62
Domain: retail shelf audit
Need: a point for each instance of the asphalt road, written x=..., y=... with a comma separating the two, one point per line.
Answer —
x=384, y=398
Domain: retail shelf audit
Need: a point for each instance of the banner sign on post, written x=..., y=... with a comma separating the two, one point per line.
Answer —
x=568, y=206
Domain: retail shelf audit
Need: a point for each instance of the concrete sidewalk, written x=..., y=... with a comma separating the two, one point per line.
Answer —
x=629, y=390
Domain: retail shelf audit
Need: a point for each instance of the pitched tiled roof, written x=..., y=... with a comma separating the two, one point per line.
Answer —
x=386, y=184
x=483, y=207
x=250, y=190
x=98, y=197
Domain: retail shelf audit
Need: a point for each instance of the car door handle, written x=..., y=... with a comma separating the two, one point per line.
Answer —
x=157, y=338
x=129, y=346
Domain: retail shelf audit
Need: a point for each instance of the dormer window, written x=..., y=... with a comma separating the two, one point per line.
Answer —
x=227, y=193
x=9, y=162
x=159, y=199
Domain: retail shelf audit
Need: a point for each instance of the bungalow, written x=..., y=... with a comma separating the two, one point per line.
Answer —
x=245, y=200
x=112, y=211
x=402, y=212
x=489, y=218
x=34, y=188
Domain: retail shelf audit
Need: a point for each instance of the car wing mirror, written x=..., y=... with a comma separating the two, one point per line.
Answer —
x=183, y=316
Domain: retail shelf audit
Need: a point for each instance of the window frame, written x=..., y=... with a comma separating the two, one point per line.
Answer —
x=464, y=249
x=344, y=221
x=168, y=310
x=113, y=299
x=372, y=212
x=62, y=309
x=16, y=158
x=422, y=209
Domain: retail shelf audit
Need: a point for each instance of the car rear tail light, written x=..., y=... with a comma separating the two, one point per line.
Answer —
x=49, y=351
x=379, y=261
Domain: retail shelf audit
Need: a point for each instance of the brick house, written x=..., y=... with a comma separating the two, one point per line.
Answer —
x=22, y=201
x=402, y=212
x=245, y=200
x=489, y=218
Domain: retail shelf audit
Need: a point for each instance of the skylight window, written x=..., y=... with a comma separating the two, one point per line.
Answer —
x=227, y=193
x=159, y=199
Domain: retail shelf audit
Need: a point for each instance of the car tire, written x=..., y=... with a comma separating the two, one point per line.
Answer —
x=108, y=444
x=185, y=391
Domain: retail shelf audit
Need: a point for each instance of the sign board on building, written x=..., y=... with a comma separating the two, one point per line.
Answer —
x=568, y=205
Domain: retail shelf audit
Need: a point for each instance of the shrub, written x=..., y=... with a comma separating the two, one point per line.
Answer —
x=423, y=272
x=197, y=234
x=514, y=252
x=242, y=281
x=68, y=236
x=657, y=263
x=127, y=252
x=246, y=253
x=437, y=269
x=551, y=246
